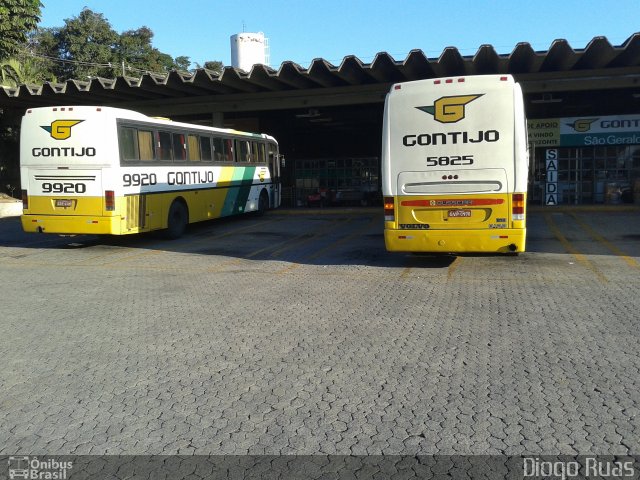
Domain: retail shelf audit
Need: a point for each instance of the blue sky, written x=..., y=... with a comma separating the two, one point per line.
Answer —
x=332, y=29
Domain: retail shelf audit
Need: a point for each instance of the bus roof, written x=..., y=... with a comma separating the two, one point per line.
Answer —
x=125, y=114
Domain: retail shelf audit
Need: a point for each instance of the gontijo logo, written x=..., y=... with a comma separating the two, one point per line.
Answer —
x=61, y=129
x=582, y=125
x=449, y=109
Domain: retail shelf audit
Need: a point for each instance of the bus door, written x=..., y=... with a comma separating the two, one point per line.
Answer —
x=136, y=212
x=143, y=212
x=274, y=173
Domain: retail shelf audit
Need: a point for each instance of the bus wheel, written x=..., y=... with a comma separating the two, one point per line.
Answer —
x=263, y=203
x=177, y=220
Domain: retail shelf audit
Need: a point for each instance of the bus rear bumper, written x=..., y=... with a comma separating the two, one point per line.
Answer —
x=456, y=241
x=71, y=224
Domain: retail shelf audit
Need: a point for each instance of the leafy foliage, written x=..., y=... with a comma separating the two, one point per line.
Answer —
x=17, y=19
x=135, y=50
x=9, y=73
x=87, y=46
x=87, y=42
x=213, y=65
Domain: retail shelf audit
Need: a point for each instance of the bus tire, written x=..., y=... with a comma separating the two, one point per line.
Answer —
x=177, y=220
x=263, y=203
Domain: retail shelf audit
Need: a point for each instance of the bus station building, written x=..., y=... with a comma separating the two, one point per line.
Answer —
x=582, y=106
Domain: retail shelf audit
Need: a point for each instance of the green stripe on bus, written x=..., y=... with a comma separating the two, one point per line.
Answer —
x=237, y=196
x=245, y=189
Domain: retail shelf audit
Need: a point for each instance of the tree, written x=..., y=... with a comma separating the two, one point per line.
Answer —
x=213, y=65
x=87, y=44
x=17, y=19
x=134, y=46
x=9, y=76
x=166, y=61
x=14, y=72
x=182, y=63
x=135, y=50
x=40, y=55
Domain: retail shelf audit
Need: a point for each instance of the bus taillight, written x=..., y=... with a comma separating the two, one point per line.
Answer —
x=109, y=201
x=389, y=215
x=25, y=200
x=517, y=206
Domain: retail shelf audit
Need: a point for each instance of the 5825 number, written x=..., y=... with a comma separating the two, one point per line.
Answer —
x=454, y=160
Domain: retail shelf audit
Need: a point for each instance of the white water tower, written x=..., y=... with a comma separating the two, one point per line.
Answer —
x=247, y=49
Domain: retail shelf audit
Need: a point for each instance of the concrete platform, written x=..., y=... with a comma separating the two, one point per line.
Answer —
x=10, y=208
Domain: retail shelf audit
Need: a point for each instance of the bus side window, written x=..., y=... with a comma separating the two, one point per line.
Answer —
x=219, y=154
x=243, y=151
x=262, y=156
x=179, y=147
x=128, y=150
x=145, y=145
x=193, y=145
x=228, y=151
x=251, y=147
x=205, y=149
x=164, y=146
x=273, y=152
x=253, y=157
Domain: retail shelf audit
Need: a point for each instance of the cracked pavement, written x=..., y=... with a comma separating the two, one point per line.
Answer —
x=298, y=334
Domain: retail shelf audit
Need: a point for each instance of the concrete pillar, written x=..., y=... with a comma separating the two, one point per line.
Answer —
x=217, y=119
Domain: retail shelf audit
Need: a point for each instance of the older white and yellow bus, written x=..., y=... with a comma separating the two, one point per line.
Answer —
x=455, y=165
x=100, y=170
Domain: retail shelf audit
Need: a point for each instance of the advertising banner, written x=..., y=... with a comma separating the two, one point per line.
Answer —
x=585, y=131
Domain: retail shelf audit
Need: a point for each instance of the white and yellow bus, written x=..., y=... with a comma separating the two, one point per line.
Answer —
x=101, y=170
x=455, y=165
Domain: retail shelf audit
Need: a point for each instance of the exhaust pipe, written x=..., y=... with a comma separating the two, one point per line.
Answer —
x=40, y=229
x=513, y=247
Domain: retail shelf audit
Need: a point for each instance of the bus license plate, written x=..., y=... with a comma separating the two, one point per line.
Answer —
x=459, y=213
x=64, y=203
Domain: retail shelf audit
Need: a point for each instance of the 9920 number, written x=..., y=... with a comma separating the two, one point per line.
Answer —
x=63, y=187
x=454, y=160
x=139, y=179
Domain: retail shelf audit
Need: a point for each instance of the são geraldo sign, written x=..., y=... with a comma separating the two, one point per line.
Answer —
x=585, y=131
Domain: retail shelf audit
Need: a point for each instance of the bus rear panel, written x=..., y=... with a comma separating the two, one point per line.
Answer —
x=65, y=159
x=455, y=166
